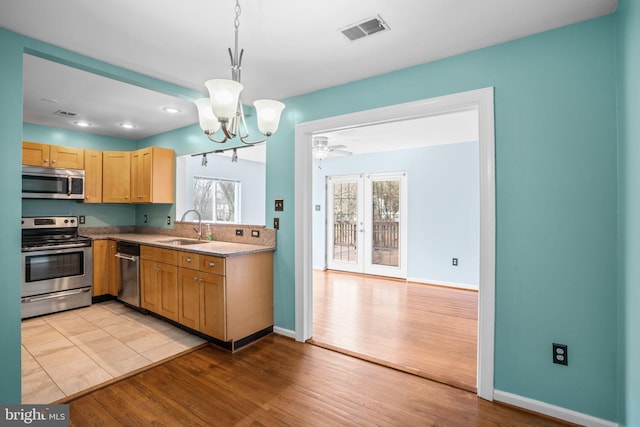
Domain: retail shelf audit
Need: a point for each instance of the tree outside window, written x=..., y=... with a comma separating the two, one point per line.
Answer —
x=217, y=200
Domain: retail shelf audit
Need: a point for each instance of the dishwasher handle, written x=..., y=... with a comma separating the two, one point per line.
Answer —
x=127, y=257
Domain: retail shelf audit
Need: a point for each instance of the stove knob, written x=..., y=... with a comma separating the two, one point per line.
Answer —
x=66, y=221
x=72, y=221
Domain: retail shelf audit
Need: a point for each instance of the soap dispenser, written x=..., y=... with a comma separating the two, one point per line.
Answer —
x=208, y=233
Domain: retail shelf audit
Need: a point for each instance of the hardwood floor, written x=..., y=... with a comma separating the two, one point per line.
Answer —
x=430, y=331
x=279, y=382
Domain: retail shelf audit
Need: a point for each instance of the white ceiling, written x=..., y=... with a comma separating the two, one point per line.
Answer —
x=291, y=47
x=434, y=130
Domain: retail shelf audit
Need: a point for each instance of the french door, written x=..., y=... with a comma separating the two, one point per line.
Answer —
x=367, y=224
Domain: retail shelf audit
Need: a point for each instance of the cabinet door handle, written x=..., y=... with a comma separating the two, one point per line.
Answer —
x=45, y=161
x=53, y=161
x=212, y=264
x=188, y=259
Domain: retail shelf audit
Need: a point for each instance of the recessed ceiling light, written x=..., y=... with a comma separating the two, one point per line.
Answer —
x=127, y=125
x=171, y=110
x=49, y=100
x=82, y=124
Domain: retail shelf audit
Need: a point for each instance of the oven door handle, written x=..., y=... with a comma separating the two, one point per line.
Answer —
x=55, y=295
x=56, y=247
x=128, y=258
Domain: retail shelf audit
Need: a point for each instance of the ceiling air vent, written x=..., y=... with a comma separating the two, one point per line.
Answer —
x=65, y=113
x=365, y=28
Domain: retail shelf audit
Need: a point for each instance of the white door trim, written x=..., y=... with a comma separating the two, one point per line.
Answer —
x=480, y=99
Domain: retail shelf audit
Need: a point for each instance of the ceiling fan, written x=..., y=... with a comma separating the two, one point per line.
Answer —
x=321, y=148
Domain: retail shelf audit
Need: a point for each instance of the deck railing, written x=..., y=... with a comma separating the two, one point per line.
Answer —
x=385, y=234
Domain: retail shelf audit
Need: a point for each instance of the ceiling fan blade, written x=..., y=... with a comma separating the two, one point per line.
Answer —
x=341, y=152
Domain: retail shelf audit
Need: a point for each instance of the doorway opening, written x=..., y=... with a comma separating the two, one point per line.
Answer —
x=482, y=100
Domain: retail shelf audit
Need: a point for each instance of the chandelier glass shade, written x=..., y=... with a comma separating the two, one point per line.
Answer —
x=223, y=109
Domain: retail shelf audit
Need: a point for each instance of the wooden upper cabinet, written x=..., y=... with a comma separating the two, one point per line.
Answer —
x=92, y=176
x=54, y=156
x=152, y=175
x=66, y=157
x=116, y=178
x=141, y=176
x=35, y=154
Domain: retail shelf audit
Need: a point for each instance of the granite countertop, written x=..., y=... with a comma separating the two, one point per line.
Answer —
x=224, y=249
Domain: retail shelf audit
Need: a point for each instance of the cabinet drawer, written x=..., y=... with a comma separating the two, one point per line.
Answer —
x=167, y=256
x=189, y=260
x=212, y=264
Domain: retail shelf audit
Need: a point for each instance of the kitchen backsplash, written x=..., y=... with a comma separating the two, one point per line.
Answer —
x=220, y=232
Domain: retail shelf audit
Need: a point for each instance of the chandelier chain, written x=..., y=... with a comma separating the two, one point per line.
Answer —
x=234, y=124
x=238, y=11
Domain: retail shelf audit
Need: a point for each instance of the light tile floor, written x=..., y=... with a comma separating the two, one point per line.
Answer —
x=64, y=353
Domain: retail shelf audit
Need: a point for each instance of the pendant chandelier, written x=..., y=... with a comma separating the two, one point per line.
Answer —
x=223, y=109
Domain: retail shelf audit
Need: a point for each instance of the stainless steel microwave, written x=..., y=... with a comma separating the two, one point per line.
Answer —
x=52, y=183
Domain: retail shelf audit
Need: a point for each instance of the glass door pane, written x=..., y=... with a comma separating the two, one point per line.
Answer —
x=345, y=223
x=345, y=215
x=385, y=222
x=385, y=218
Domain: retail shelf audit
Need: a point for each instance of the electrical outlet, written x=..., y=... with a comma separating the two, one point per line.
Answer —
x=168, y=220
x=454, y=262
x=279, y=205
x=81, y=219
x=276, y=223
x=239, y=232
x=255, y=233
x=145, y=218
x=560, y=354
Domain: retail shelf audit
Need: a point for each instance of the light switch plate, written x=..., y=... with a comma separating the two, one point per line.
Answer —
x=279, y=205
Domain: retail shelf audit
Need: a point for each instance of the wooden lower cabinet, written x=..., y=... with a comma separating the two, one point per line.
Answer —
x=101, y=267
x=227, y=298
x=106, y=269
x=159, y=288
x=213, y=306
x=189, y=298
x=202, y=302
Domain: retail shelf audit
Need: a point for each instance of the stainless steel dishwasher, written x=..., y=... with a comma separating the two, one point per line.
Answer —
x=129, y=255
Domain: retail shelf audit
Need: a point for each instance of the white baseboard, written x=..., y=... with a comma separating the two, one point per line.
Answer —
x=286, y=332
x=551, y=410
x=446, y=284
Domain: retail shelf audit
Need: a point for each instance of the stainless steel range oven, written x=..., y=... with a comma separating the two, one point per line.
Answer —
x=57, y=266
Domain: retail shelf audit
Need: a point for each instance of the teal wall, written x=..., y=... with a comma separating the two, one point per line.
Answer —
x=628, y=36
x=556, y=173
x=11, y=136
x=556, y=188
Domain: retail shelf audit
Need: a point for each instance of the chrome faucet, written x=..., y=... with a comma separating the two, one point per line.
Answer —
x=199, y=229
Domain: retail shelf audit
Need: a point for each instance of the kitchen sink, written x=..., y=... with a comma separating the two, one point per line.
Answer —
x=181, y=242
